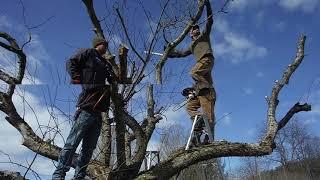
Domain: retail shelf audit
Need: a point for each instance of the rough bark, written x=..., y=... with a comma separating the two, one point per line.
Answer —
x=105, y=142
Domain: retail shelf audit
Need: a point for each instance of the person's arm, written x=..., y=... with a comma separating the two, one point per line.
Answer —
x=74, y=65
x=178, y=54
x=209, y=23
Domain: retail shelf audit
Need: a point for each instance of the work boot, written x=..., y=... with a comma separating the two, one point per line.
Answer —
x=196, y=141
x=193, y=142
x=206, y=140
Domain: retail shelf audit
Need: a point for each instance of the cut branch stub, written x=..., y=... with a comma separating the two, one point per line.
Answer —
x=295, y=109
x=123, y=54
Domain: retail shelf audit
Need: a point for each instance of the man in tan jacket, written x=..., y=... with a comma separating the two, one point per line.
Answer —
x=201, y=72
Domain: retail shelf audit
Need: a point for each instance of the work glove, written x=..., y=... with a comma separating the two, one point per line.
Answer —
x=76, y=79
x=188, y=91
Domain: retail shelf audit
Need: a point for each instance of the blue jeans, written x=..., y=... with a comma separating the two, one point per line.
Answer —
x=86, y=128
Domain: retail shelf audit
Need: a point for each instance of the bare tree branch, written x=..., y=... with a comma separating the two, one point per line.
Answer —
x=295, y=109
x=178, y=40
x=273, y=101
x=127, y=35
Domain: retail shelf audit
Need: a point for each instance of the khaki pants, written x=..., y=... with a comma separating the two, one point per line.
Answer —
x=206, y=97
x=206, y=100
x=201, y=72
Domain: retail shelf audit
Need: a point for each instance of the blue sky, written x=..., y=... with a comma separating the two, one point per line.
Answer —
x=253, y=43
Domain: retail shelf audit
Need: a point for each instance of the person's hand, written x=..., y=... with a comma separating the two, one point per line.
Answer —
x=76, y=80
x=191, y=95
x=187, y=91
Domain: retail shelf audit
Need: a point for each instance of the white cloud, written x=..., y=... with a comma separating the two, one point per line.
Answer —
x=247, y=91
x=35, y=115
x=35, y=51
x=313, y=98
x=304, y=5
x=239, y=49
x=235, y=47
x=47, y=167
x=172, y=118
x=153, y=145
x=290, y=5
x=115, y=42
x=251, y=132
x=31, y=80
x=241, y=5
x=4, y=22
x=221, y=25
x=259, y=18
x=260, y=74
x=312, y=116
x=11, y=139
x=280, y=26
x=227, y=119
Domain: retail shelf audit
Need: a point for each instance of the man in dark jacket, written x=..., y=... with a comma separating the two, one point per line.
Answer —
x=201, y=72
x=93, y=72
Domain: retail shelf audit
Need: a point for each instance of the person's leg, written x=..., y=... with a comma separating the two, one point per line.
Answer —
x=207, y=102
x=66, y=154
x=192, y=107
x=88, y=145
x=201, y=73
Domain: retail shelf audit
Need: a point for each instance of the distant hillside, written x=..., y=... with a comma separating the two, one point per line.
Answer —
x=296, y=170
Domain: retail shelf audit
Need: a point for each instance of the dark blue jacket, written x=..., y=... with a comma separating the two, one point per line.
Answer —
x=93, y=72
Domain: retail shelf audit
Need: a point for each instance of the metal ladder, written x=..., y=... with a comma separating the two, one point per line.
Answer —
x=206, y=130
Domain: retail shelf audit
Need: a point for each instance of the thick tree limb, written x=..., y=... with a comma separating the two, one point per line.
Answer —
x=139, y=136
x=13, y=47
x=150, y=101
x=182, y=159
x=120, y=127
x=93, y=17
x=33, y=141
x=105, y=143
x=273, y=101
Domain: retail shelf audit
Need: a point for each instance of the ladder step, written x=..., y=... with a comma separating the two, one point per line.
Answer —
x=205, y=130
